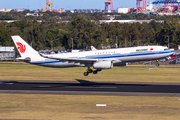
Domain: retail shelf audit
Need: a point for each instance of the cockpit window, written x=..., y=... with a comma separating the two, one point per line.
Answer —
x=166, y=49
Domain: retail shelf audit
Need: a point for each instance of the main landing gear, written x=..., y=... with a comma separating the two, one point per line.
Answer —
x=89, y=70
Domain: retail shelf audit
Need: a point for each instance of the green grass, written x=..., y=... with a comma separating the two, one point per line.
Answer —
x=117, y=74
x=82, y=107
x=70, y=107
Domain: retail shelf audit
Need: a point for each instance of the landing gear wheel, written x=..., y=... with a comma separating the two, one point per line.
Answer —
x=86, y=73
x=99, y=69
x=90, y=71
x=95, y=72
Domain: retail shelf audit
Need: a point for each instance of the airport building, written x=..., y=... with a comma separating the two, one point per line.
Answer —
x=7, y=53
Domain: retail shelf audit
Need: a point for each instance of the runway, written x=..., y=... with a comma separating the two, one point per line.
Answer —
x=83, y=87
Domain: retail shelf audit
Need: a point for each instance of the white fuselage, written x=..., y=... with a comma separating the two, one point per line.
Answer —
x=117, y=56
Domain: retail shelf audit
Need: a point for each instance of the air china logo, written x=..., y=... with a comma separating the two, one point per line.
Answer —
x=21, y=47
x=151, y=49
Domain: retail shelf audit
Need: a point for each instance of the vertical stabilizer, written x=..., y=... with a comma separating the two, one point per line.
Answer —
x=25, y=50
x=93, y=48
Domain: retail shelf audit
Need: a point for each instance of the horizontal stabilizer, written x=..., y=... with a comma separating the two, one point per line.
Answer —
x=27, y=59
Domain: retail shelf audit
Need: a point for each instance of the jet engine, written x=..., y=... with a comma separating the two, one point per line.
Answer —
x=103, y=65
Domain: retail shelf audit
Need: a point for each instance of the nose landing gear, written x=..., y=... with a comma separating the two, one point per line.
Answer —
x=157, y=63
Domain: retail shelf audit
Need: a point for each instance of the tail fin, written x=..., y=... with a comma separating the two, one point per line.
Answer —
x=25, y=50
x=93, y=48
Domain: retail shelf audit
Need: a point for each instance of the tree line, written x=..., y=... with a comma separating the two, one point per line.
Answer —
x=84, y=33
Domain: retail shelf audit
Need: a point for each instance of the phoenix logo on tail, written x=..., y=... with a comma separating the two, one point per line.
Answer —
x=21, y=47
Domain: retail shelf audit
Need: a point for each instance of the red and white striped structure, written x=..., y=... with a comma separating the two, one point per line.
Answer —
x=107, y=3
x=138, y=5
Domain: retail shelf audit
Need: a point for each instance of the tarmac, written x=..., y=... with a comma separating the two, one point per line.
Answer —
x=83, y=87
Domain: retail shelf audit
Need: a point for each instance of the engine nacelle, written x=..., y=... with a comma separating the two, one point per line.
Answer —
x=103, y=65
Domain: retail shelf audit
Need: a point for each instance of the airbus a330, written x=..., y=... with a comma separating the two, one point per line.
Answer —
x=96, y=59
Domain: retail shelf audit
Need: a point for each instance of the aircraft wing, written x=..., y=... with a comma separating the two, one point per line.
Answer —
x=77, y=60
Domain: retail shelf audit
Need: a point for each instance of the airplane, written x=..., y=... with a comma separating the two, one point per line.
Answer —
x=93, y=48
x=97, y=59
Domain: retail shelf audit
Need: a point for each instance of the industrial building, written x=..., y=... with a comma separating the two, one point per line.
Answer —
x=123, y=10
x=7, y=53
x=5, y=10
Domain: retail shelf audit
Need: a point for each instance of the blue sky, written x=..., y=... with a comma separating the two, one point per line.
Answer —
x=67, y=4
